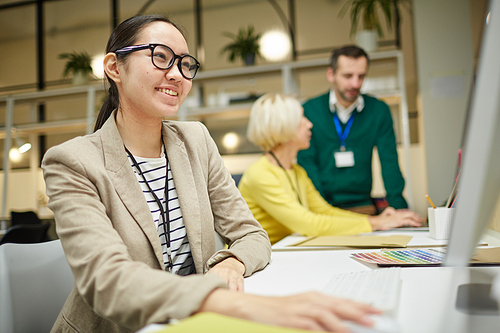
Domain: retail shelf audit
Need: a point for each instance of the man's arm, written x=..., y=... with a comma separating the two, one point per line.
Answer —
x=394, y=182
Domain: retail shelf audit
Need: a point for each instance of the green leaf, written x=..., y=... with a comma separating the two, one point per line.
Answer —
x=77, y=62
x=367, y=11
x=245, y=41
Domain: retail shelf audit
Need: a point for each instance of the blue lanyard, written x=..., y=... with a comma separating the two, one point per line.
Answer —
x=343, y=135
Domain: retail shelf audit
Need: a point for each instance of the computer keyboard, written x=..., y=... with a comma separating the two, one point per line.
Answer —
x=378, y=287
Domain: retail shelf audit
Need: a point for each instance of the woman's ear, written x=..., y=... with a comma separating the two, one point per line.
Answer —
x=110, y=64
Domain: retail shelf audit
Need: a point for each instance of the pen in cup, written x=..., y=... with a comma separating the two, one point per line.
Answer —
x=430, y=201
x=453, y=203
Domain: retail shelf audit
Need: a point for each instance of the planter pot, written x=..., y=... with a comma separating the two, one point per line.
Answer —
x=367, y=40
x=80, y=78
x=249, y=59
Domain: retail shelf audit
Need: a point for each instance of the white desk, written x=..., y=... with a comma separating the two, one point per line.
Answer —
x=428, y=295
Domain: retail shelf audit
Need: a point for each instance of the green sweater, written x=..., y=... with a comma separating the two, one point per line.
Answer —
x=351, y=186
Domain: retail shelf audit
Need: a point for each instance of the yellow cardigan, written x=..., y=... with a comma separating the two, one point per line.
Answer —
x=274, y=203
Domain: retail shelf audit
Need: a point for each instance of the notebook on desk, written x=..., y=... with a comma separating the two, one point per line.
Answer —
x=208, y=322
x=359, y=241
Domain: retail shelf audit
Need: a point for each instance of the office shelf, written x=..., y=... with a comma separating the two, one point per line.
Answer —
x=34, y=128
x=41, y=96
x=288, y=73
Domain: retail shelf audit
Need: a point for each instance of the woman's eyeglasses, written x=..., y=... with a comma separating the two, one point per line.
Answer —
x=163, y=57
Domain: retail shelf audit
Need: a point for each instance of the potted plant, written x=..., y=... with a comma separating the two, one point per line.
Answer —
x=368, y=12
x=245, y=45
x=79, y=65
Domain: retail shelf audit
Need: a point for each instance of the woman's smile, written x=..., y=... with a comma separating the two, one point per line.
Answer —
x=167, y=91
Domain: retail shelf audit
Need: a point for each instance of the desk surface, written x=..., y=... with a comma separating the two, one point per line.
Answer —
x=428, y=294
x=420, y=239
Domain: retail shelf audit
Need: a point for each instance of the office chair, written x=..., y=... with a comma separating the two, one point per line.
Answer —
x=219, y=243
x=26, y=233
x=236, y=178
x=35, y=281
x=27, y=217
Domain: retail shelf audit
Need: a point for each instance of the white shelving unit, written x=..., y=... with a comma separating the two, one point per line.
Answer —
x=36, y=128
x=288, y=71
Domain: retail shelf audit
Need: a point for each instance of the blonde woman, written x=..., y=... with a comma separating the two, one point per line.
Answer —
x=278, y=191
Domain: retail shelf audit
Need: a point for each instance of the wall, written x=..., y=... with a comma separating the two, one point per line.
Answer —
x=21, y=195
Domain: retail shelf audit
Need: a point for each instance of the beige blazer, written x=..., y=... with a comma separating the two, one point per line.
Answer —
x=110, y=239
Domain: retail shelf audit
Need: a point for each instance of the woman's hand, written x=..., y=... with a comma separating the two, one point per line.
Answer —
x=232, y=271
x=310, y=311
x=391, y=218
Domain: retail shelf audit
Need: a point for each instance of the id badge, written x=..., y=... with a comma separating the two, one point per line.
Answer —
x=344, y=159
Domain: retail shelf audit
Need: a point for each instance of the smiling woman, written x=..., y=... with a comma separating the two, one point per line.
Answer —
x=152, y=84
x=137, y=203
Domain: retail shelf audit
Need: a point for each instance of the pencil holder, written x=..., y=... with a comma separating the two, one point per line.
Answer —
x=440, y=220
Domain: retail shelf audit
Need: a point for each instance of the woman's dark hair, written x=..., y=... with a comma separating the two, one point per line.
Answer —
x=350, y=51
x=125, y=34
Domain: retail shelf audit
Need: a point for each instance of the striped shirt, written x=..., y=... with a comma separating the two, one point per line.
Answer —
x=153, y=170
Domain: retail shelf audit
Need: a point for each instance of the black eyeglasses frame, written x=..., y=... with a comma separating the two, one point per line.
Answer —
x=129, y=49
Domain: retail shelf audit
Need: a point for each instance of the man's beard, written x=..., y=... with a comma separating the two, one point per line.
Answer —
x=349, y=99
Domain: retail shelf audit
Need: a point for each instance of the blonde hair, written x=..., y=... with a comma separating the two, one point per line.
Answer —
x=274, y=119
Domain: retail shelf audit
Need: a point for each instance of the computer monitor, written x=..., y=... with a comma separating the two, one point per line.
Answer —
x=479, y=185
x=478, y=189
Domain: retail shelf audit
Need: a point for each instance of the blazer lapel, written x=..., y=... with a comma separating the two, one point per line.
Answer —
x=186, y=190
x=126, y=185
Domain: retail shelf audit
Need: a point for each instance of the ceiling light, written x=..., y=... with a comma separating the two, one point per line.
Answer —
x=231, y=141
x=275, y=45
x=15, y=155
x=21, y=147
x=24, y=147
x=97, y=66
